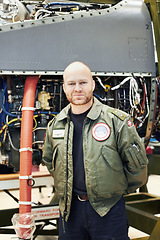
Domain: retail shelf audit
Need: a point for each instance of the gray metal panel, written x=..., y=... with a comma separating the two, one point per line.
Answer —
x=118, y=40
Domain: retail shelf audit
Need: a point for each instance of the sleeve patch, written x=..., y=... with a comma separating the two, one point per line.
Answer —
x=129, y=123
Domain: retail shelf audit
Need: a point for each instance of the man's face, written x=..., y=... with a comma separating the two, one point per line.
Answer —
x=78, y=86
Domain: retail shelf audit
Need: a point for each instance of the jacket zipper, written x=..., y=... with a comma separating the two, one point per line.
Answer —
x=65, y=210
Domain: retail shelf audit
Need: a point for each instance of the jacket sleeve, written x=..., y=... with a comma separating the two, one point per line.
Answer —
x=133, y=154
x=48, y=150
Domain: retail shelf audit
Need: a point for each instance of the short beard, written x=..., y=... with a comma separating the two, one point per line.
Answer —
x=81, y=102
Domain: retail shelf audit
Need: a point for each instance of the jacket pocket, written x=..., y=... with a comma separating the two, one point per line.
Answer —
x=134, y=157
x=110, y=177
x=112, y=158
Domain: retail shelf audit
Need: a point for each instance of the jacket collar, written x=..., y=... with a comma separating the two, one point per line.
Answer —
x=95, y=110
x=93, y=113
x=64, y=113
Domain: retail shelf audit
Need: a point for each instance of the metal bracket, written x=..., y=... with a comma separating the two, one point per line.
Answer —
x=153, y=104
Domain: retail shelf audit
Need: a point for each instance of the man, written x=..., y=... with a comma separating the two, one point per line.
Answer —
x=95, y=156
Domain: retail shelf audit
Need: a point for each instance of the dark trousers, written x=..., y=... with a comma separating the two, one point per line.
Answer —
x=85, y=224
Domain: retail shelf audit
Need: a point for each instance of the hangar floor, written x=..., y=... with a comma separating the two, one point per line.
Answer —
x=8, y=202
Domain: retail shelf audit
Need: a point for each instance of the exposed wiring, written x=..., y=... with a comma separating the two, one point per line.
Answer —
x=10, y=140
x=35, y=121
x=142, y=107
x=144, y=96
x=7, y=124
x=102, y=99
x=61, y=4
x=121, y=83
x=48, y=113
x=4, y=110
x=134, y=95
x=147, y=105
x=134, y=99
x=145, y=100
x=100, y=82
x=3, y=137
x=20, y=119
x=41, y=11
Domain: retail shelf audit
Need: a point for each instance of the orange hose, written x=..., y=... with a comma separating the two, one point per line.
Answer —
x=26, y=144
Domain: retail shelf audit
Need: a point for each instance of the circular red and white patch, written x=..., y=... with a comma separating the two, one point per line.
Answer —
x=101, y=131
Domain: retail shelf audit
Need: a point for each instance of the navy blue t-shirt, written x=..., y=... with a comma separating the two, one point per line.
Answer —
x=79, y=185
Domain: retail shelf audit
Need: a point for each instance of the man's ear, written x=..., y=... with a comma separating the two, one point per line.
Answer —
x=93, y=85
x=64, y=88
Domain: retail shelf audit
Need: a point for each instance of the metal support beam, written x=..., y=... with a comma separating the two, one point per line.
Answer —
x=141, y=238
x=143, y=210
x=141, y=220
x=152, y=113
x=154, y=6
x=156, y=231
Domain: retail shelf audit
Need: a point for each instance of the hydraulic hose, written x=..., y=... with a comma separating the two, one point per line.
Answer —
x=26, y=148
x=61, y=4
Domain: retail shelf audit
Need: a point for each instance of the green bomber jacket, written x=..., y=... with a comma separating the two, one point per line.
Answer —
x=115, y=161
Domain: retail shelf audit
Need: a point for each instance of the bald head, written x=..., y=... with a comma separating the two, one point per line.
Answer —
x=75, y=68
x=78, y=86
